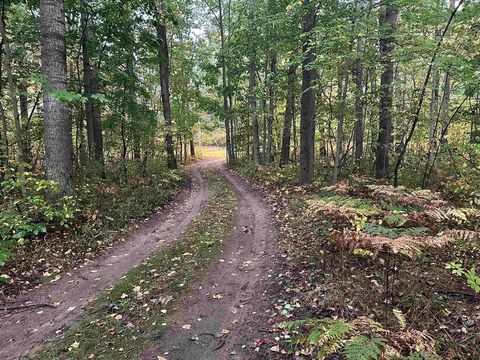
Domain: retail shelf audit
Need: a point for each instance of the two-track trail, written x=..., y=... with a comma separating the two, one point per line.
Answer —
x=224, y=308
x=23, y=330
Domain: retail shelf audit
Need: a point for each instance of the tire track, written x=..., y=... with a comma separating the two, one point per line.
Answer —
x=25, y=330
x=215, y=320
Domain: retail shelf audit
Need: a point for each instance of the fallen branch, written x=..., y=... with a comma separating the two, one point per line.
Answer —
x=25, y=307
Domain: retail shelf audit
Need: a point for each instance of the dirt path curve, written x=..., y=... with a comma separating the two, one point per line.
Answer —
x=218, y=317
x=24, y=330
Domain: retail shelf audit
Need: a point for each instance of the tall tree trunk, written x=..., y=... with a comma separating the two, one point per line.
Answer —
x=13, y=99
x=271, y=109
x=27, y=145
x=387, y=23
x=342, y=97
x=226, y=110
x=359, y=123
x=418, y=108
x=4, y=139
x=433, y=114
x=164, y=83
x=252, y=67
x=307, y=114
x=4, y=153
x=289, y=116
x=58, y=130
x=192, y=148
x=92, y=109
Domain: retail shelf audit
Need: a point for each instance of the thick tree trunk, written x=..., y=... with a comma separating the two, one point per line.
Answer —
x=164, y=84
x=289, y=116
x=387, y=22
x=307, y=114
x=58, y=130
x=92, y=109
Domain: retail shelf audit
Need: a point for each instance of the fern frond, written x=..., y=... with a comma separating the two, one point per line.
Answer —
x=400, y=318
x=363, y=348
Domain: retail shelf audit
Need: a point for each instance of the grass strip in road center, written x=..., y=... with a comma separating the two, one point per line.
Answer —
x=123, y=320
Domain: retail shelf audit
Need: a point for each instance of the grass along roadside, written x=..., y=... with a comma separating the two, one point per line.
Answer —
x=125, y=318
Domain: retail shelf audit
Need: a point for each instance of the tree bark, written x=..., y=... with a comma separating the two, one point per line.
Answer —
x=13, y=97
x=387, y=22
x=289, y=116
x=58, y=130
x=251, y=92
x=271, y=109
x=359, y=123
x=226, y=110
x=342, y=96
x=192, y=148
x=164, y=83
x=307, y=114
x=90, y=85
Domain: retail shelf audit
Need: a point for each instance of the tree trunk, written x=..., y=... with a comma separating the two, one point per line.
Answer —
x=164, y=83
x=358, y=137
x=289, y=116
x=13, y=96
x=58, y=130
x=26, y=136
x=387, y=22
x=4, y=139
x=92, y=109
x=307, y=114
x=271, y=109
x=226, y=110
x=251, y=91
x=342, y=96
x=192, y=148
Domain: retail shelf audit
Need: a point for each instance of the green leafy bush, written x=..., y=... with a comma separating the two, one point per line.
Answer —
x=25, y=213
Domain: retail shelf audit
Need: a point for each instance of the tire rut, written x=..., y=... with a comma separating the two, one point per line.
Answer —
x=25, y=330
x=217, y=317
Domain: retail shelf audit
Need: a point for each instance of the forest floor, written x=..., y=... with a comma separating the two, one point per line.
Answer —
x=188, y=283
x=370, y=271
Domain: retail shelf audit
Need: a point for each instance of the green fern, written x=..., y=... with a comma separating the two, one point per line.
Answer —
x=292, y=325
x=378, y=230
x=363, y=348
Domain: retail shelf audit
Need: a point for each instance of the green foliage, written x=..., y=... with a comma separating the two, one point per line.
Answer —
x=470, y=275
x=363, y=348
x=393, y=233
x=25, y=213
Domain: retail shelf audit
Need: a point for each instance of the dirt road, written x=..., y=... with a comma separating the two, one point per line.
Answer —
x=209, y=322
x=218, y=319
x=23, y=330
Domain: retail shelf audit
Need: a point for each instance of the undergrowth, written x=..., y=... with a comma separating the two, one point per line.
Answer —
x=41, y=239
x=362, y=250
x=126, y=318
